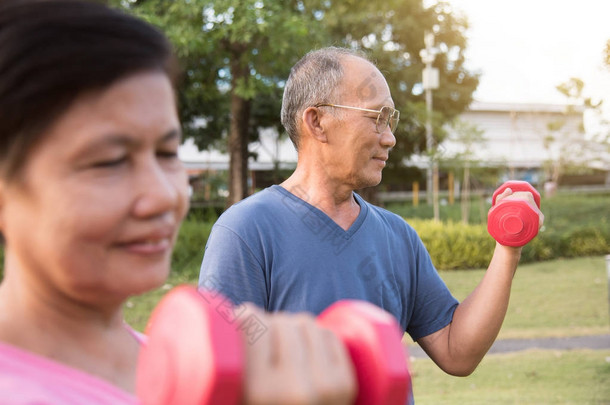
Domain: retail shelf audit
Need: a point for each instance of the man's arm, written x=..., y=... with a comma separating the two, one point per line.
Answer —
x=460, y=346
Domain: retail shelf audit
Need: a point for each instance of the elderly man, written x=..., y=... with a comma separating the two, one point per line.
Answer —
x=311, y=241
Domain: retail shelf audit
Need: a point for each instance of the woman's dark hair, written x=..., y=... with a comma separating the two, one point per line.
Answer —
x=51, y=51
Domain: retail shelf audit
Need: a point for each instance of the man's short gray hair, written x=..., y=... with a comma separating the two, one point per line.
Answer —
x=313, y=80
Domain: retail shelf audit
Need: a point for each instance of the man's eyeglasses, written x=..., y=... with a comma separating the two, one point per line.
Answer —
x=386, y=116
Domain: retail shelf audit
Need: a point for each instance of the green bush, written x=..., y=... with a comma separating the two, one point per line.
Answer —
x=587, y=241
x=454, y=245
x=188, y=253
x=545, y=246
x=575, y=225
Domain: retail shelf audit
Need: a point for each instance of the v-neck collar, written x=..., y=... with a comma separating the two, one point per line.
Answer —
x=324, y=218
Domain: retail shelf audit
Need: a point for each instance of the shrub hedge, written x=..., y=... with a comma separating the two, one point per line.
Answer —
x=574, y=226
x=453, y=245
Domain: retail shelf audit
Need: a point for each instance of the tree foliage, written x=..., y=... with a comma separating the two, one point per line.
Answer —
x=236, y=56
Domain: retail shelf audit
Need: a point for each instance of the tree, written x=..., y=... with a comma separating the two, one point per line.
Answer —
x=469, y=137
x=237, y=55
x=569, y=146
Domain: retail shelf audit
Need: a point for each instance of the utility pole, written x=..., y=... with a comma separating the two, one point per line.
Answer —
x=430, y=82
x=608, y=275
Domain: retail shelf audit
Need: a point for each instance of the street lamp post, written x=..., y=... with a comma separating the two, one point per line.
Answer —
x=430, y=82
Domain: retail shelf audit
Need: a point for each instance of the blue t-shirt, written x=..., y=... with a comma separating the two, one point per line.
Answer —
x=281, y=253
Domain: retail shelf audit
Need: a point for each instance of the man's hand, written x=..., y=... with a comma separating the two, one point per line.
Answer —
x=508, y=194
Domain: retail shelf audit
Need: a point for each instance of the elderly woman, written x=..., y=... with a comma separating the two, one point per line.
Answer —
x=91, y=198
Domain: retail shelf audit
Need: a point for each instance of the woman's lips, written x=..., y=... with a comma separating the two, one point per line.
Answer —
x=149, y=243
x=148, y=247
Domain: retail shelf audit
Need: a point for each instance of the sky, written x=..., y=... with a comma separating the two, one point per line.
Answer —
x=524, y=48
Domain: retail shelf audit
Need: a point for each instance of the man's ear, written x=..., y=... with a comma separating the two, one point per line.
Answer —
x=313, y=124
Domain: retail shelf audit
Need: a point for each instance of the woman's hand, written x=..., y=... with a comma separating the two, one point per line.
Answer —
x=295, y=361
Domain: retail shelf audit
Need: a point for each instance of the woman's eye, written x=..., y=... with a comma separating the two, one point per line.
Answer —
x=167, y=154
x=110, y=162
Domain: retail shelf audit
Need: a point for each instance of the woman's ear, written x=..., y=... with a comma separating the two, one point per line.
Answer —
x=313, y=124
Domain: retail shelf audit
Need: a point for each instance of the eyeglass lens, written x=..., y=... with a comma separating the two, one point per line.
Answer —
x=387, y=116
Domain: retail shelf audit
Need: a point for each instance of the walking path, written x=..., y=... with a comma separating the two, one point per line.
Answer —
x=596, y=342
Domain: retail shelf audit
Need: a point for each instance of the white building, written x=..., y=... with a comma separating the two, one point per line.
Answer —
x=269, y=150
x=517, y=138
x=518, y=135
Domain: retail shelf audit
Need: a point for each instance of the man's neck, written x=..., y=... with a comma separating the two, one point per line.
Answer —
x=334, y=199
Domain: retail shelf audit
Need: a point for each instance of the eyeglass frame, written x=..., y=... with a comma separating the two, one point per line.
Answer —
x=378, y=112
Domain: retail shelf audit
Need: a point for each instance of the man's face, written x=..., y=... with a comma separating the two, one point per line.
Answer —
x=357, y=152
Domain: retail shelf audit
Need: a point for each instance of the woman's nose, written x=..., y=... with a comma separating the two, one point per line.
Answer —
x=159, y=190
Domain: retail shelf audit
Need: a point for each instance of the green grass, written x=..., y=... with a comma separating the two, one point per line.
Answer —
x=137, y=309
x=563, y=297
x=554, y=298
x=532, y=377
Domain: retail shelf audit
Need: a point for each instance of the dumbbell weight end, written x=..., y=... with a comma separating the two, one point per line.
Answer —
x=514, y=222
x=373, y=339
x=193, y=355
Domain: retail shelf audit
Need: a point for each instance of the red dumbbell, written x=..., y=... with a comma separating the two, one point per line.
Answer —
x=194, y=350
x=513, y=222
x=192, y=355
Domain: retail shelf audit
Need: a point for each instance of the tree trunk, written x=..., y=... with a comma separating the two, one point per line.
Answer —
x=238, y=136
x=466, y=194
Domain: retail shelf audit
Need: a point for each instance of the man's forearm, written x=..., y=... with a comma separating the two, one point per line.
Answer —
x=477, y=320
x=460, y=346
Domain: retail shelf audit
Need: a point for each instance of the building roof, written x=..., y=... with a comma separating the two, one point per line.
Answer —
x=524, y=107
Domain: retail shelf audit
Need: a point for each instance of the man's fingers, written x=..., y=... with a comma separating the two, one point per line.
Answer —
x=522, y=195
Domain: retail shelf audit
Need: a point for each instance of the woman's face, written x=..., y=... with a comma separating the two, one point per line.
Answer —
x=95, y=212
